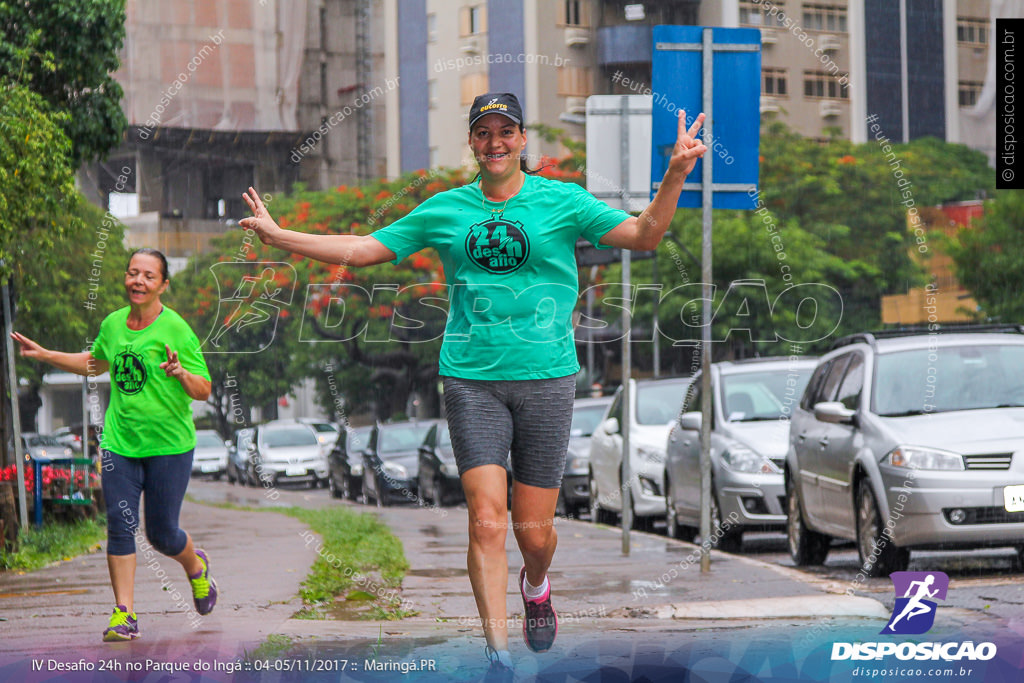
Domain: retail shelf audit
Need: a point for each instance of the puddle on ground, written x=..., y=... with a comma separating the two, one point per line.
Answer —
x=33, y=594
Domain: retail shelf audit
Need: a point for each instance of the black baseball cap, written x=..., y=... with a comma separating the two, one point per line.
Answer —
x=504, y=103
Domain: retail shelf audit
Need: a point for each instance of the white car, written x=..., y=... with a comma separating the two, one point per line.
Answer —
x=283, y=452
x=211, y=455
x=655, y=404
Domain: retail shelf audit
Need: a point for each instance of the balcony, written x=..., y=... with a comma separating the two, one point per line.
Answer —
x=769, y=104
x=576, y=36
x=470, y=45
x=829, y=42
x=624, y=45
x=769, y=36
x=829, y=108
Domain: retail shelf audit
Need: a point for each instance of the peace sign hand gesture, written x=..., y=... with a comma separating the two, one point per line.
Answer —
x=172, y=366
x=687, y=148
x=261, y=221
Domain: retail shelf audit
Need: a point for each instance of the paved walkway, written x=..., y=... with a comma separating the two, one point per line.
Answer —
x=617, y=613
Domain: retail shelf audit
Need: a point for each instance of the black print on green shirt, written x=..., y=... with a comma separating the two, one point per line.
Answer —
x=128, y=372
x=497, y=245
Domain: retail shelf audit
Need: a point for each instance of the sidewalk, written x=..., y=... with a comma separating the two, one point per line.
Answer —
x=612, y=608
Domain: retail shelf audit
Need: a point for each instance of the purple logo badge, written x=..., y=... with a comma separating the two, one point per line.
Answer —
x=914, y=611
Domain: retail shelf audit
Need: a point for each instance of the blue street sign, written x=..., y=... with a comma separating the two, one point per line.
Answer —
x=678, y=83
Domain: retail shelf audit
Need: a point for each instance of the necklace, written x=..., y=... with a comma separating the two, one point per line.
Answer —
x=483, y=199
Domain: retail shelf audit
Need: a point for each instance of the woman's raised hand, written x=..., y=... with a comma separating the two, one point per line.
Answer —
x=688, y=147
x=29, y=349
x=260, y=222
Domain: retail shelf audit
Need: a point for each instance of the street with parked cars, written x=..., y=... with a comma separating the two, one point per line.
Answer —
x=894, y=450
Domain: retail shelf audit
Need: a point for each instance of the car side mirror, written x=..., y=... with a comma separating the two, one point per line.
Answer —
x=833, y=412
x=227, y=444
x=691, y=421
x=611, y=425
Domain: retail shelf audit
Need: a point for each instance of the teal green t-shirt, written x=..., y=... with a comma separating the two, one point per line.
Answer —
x=511, y=274
x=149, y=412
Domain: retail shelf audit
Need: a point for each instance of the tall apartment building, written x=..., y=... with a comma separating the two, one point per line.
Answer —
x=918, y=66
x=223, y=94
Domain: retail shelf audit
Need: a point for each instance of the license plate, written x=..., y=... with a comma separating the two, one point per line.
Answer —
x=1013, y=498
x=209, y=468
x=295, y=471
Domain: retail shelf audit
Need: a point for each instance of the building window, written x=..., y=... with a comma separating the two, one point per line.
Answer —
x=756, y=14
x=575, y=81
x=471, y=85
x=825, y=18
x=969, y=91
x=972, y=31
x=773, y=82
x=824, y=84
x=472, y=20
x=576, y=13
x=432, y=28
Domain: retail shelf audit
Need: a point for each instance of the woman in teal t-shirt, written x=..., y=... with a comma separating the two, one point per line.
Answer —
x=508, y=359
x=156, y=371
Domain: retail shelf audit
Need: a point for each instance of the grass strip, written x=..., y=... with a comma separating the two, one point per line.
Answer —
x=54, y=541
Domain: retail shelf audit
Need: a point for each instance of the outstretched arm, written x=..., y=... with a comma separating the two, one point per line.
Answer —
x=346, y=250
x=79, y=363
x=646, y=230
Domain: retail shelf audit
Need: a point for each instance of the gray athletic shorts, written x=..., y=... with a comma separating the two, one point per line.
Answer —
x=531, y=418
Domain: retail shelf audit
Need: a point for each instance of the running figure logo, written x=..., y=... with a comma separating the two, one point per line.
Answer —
x=914, y=612
x=256, y=301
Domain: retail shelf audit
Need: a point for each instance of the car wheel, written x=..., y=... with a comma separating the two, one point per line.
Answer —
x=560, y=507
x=230, y=476
x=439, y=497
x=641, y=523
x=382, y=495
x=879, y=555
x=672, y=525
x=729, y=539
x=332, y=486
x=598, y=515
x=1020, y=558
x=312, y=482
x=346, y=491
x=806, y=547
x=364, y=493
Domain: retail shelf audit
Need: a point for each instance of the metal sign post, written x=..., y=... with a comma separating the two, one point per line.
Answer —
x=12, y=377
x=683, y=55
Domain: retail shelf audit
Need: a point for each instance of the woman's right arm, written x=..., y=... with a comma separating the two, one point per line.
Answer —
x=79, y=363
x=345, y=250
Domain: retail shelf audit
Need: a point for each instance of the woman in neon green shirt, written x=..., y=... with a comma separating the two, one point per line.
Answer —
x=508, y=359
x=156, y=371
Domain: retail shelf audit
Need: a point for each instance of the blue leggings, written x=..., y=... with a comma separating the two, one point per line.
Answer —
x=163, y=478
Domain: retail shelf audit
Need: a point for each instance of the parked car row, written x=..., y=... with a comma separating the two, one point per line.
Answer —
x=898, y=441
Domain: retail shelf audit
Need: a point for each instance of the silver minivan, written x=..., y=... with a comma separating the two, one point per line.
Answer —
x=905, y=442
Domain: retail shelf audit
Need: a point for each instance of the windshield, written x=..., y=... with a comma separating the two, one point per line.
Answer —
x=585, y=419
x=753, y=396
x=322, y=427
x=444, y=437
x=405, y=438
x=358, y=438
x=208, y=441
x=279, y=438
x=658, y=402
x=949, y=378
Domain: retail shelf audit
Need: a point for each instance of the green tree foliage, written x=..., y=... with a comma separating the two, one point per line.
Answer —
x=67, y=52
x=338, y=328
x=36, y=180
x=989, y=260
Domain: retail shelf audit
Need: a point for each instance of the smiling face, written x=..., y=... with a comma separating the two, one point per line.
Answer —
x=497, y=144
x=144, y=280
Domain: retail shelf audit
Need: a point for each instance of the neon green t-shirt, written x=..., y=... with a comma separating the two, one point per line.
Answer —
x=149, y=412
x=511, y=273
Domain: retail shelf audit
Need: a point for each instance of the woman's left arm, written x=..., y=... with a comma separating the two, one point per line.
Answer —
x=646, y=230
x=198, y=388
